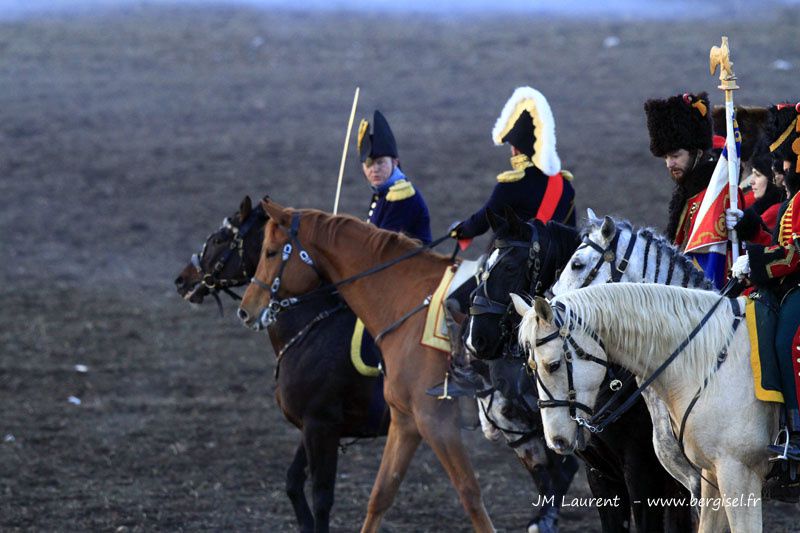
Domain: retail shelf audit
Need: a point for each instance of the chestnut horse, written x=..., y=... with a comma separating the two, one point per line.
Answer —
x=331, y=249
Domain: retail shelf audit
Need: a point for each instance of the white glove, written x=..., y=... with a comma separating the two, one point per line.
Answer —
x=732, y=217
x=741, y=267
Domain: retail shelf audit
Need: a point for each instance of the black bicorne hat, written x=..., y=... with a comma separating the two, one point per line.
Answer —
x=380, y=142
x=783, y=131
x=526, y=123
x=679, y=122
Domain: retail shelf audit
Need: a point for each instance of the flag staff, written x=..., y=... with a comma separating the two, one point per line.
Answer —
x=720, y=57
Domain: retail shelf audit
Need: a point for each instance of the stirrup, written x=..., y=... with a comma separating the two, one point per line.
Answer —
x=775, y=447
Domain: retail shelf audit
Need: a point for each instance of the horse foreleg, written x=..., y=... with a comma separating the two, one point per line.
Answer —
x=552, y=480
x=321, y=444
x=613, y=518
x=401, y=443
x=443, y=435
x=741, y=489
x=295, y=482
x=712, y=518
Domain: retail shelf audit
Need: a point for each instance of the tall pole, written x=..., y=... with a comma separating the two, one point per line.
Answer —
x=720, y=56
x=344, y=152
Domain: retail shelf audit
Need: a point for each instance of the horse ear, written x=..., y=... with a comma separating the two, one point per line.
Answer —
x=276, y=212
x=608, y=229
x=520, y=304
x=245, y=207
x=543, y=310
x=514, y=222
x=593, y=218
x=495, y=222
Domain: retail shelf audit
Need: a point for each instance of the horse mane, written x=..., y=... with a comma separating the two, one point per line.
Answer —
x=616, y=311
x=696, y=277
x=378, y=242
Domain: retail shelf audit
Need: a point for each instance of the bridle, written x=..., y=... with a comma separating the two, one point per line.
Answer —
x=269, y=314
x=211, y=280
x=600, y=419
x=571, y=349
x=482, y=302
x=609, y=255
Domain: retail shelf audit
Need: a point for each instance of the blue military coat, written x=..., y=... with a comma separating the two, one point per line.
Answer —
x=397, y=206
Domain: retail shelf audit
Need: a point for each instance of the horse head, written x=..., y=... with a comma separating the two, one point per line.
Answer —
x=569, y=362
x=526, y=258
x=285, y=269
x=228, y=258
x=612, y=251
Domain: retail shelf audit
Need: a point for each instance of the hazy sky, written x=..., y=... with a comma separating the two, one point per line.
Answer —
x=627, y=9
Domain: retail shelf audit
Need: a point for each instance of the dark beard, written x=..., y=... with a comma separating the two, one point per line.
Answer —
x=695, y=181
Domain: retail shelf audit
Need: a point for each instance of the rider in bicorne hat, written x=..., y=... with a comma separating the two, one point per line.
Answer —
x=535, y=187
x=776, y=268
x=396, y=205
x=680, y=131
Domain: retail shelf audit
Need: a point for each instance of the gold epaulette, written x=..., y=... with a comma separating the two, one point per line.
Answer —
x=510, y=176
x=567, y=175
x=518, y=164
x=400, y=191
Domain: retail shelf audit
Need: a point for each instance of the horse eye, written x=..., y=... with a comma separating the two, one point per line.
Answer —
x=552, y=367
x=271, y=254
x=507, y=411
x=577, y=265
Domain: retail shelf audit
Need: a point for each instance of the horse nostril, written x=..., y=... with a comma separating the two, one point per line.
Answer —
x=179, y=281
x=243, y=316
x=559, y=443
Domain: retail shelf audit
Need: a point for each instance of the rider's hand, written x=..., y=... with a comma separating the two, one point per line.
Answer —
x=732, y=217
x=741, y=267
x=455, y=230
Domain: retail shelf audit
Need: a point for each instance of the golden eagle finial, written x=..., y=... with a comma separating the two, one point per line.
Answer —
x=720, y=56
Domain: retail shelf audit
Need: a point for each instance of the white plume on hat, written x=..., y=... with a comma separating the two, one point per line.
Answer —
x=528, y=99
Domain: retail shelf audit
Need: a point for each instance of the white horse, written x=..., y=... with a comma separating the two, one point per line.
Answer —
x=612, y=249
x=638, y=326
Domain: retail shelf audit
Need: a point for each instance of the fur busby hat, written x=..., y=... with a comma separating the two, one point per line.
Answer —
x=527, y=124
x=751, y=122
x=679, y=122
x=380, y=142
x=783, y=131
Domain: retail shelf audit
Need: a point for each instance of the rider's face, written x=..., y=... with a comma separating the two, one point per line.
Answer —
x=679, y=163
x=378, y=170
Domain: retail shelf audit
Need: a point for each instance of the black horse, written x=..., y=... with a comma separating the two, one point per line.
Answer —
x=620, y=461
x=318, y=388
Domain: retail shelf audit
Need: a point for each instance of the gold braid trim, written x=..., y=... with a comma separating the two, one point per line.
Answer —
x=774, y=146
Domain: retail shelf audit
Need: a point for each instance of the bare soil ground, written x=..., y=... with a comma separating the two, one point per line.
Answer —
x=125, y=137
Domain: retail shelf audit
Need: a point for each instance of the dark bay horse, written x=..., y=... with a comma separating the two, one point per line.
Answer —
x=621, y=460
x=318, y=389
x=328, y=249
